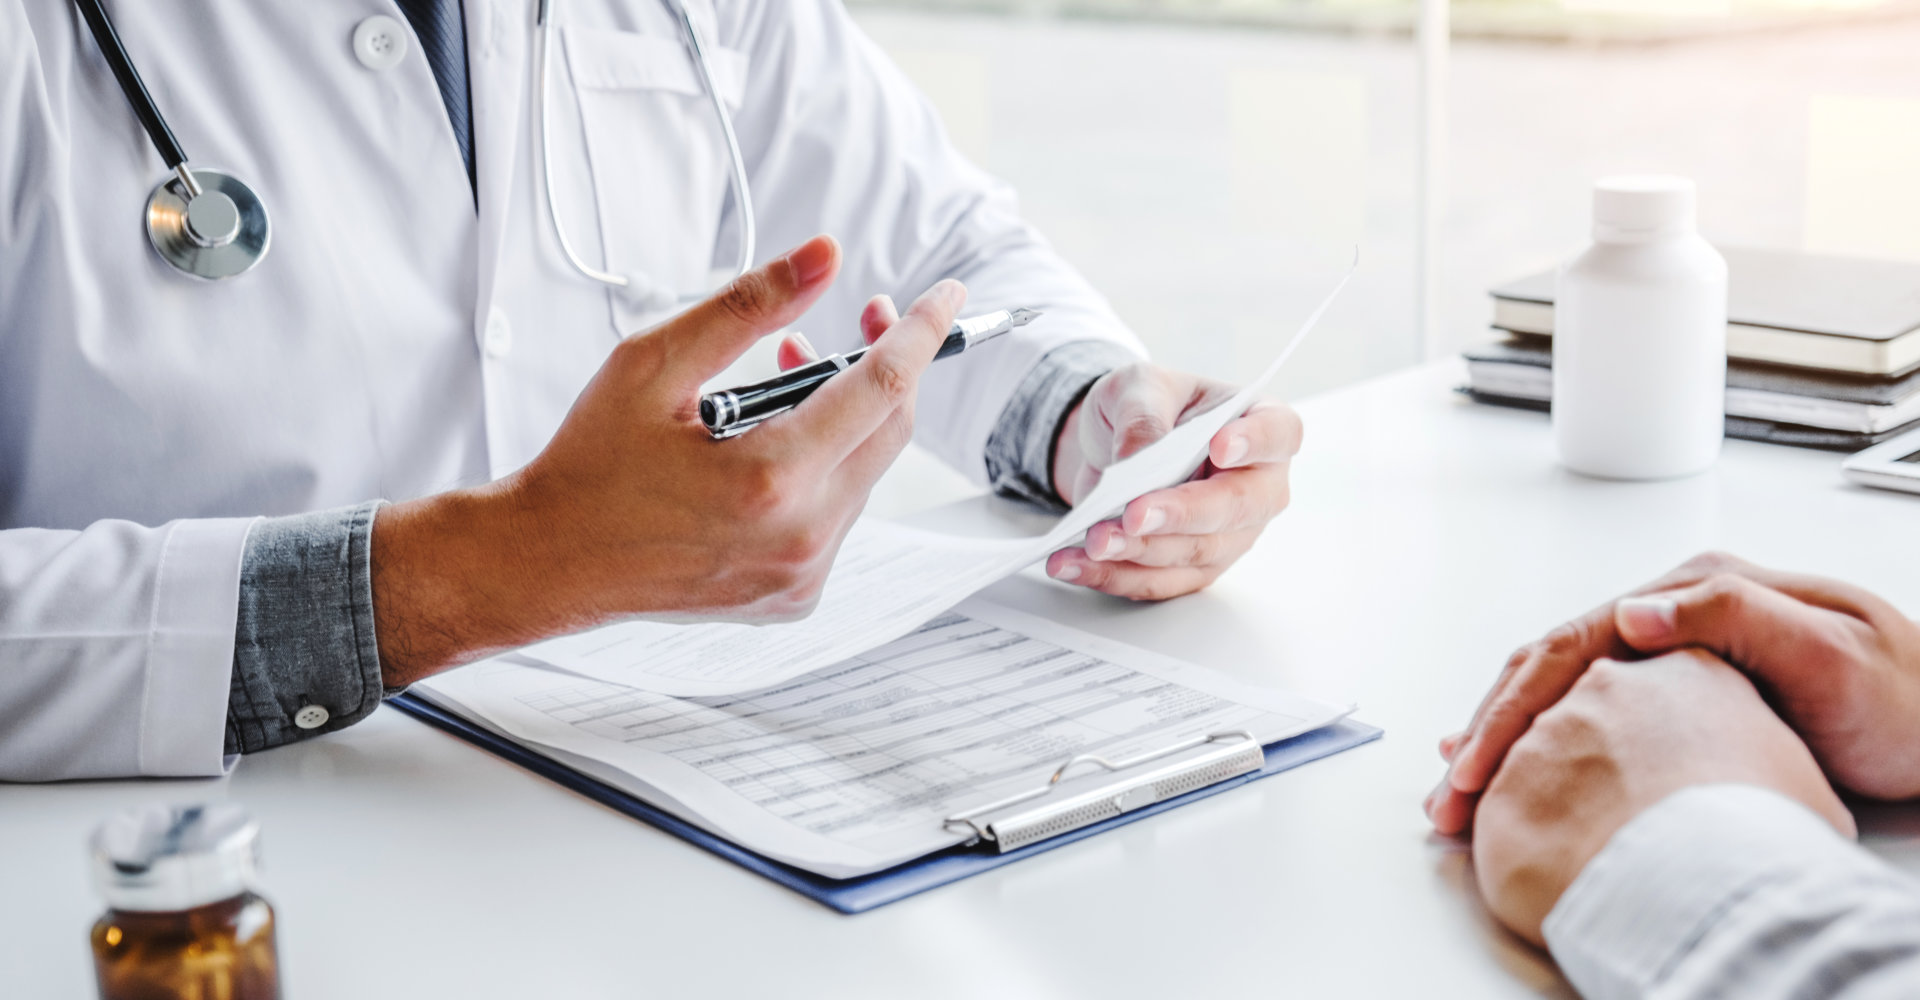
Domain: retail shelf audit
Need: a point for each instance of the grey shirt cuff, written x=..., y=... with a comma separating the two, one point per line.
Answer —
x=305, y=661
x=1020, y=450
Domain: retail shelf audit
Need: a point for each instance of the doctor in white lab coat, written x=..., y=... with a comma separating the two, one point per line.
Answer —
x=233, y=514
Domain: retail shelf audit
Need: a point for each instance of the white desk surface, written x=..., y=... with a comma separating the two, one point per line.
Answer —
x=1427, y=539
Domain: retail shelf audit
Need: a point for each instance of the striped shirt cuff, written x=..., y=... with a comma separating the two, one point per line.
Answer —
x=1671, y=879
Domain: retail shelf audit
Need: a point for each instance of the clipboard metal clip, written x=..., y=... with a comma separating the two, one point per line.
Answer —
x=1226, y=755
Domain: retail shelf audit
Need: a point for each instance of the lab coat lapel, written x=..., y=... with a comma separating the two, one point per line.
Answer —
x=498, y=38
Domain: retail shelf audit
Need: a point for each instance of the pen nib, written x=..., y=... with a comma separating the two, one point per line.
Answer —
x=1021, y=316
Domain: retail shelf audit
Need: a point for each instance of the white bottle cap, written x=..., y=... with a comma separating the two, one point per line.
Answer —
x=166, y=858
x=1636, y=207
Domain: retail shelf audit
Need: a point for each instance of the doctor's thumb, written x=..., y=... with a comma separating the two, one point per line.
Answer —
x=812, y=264
x=710, y=336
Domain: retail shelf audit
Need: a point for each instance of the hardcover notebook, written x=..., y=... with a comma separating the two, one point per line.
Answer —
x=1842, y=314
x=1522, y=368
x=1744, y=428
x=936, y=749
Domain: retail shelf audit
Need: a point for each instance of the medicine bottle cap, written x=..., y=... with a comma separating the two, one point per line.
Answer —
x=1638, y=207
x=164, y=858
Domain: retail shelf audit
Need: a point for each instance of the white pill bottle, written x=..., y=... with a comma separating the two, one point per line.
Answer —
x=1640, y=338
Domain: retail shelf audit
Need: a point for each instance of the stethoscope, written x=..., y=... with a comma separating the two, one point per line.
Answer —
x=203, y=222
x=208, y=224
x=644, y=293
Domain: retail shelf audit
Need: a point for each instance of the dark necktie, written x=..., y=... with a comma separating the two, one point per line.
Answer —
x=443, y=37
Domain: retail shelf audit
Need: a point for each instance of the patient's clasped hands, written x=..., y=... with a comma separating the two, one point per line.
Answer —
x=1755, y=676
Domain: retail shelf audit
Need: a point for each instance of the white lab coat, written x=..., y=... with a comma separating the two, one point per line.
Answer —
x=395, y=342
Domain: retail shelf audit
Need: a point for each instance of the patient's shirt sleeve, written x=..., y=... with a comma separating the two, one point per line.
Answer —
x=1736, y=891
x=305, y=659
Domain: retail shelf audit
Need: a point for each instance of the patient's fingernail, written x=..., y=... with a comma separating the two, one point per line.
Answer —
x=1153, y=520
x=806, y=346
x=1068, y=572
x=1236, y=450
x=1111, y=547
x=1647, y=619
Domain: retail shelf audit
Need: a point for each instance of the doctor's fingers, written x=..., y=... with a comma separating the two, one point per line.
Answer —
x=1139, y=404
x=861, y=469
x=1267, y=432
x=1130, y=580
x=1229, y=500
x=698, y=343
x=854, y=478
x=879, y=315
x=796, y=350
x=1108, y=544
x=846, y=411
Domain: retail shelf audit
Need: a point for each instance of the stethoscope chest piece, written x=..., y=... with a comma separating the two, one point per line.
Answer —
x=218, y=233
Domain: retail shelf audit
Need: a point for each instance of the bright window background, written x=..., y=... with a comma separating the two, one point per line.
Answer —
x=1210, y=164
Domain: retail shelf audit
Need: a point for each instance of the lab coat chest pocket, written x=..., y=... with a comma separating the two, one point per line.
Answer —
x=658, y=161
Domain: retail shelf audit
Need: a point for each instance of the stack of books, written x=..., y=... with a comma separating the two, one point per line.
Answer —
x=1822, y=351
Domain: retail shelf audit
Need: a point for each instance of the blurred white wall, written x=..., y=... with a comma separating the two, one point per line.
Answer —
x=1212, y=181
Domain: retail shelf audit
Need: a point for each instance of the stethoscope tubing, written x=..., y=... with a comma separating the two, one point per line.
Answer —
x=131, y=85
x=746, y=226
x=742, y=191
x=543, y=54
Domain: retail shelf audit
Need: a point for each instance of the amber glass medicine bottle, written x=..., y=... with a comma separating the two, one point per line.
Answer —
x=182, y=922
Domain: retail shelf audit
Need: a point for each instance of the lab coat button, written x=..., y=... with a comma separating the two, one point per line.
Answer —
x=311, y=717
x=499, y=337
x=380, y=42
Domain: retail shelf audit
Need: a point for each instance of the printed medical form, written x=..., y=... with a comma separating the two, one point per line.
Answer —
x=853, y=768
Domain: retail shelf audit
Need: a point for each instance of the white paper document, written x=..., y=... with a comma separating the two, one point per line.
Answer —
x=854, y=768
x=886, y=580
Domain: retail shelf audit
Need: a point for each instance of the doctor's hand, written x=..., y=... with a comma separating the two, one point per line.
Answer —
x=632, y=510
x=1626, y=736
x=1173, y=541
x=1841, y=665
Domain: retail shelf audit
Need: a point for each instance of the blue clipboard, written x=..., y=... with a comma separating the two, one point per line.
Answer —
x=866, y=892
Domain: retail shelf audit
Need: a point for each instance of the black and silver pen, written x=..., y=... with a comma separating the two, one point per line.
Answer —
x=731, y=411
